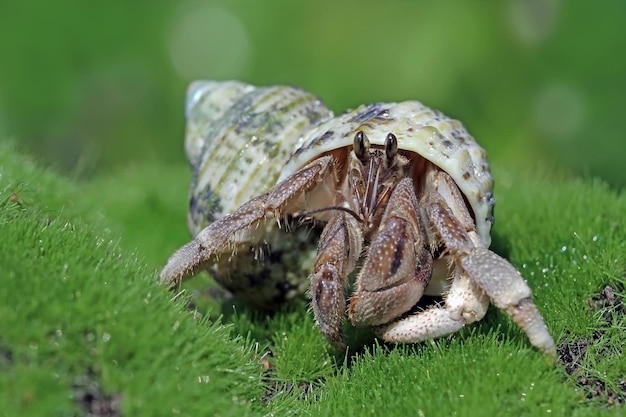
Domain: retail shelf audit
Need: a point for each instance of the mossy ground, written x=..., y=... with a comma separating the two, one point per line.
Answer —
x=84, y=326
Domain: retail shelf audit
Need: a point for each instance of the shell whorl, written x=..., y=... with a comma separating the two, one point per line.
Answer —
x=238, y=139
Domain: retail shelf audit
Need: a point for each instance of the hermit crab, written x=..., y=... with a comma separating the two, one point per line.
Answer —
x=370, y=210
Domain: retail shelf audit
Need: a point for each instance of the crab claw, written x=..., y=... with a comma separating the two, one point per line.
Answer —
x=508, y=291
x=184, y=263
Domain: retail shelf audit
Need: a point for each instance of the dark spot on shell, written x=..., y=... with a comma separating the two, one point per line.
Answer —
x=315, y=142
x=447, y=143
x=314, y=114
x=204, y=205
x=327, y=135
x=466, y=175
x=458, y=135
x=490, y=201
x=374, y=110
x=438, y=116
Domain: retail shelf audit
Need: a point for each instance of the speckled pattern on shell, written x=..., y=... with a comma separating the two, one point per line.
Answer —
x=237, y=141
x=241, y=140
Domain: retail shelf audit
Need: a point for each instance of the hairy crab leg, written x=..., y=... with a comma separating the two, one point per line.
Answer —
x=339, y=248
x=441, y=320
x=226, y=235
x=500, y=281
x=397, y=267
x=509, y=292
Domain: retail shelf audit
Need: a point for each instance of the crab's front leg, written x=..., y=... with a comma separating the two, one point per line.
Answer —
x=339, y=248
x=464, y=303
x=397, y=267
x=240, y=228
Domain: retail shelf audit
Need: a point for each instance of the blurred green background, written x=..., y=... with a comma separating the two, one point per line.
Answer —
x=92, y=86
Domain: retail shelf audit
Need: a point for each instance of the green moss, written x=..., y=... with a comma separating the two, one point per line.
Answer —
x=81, y=312
x=75, y=306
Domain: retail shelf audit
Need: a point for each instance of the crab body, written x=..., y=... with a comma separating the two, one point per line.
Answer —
x=400, y=194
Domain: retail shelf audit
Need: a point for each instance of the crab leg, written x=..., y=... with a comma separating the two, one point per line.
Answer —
x=397, y=268
x=508, y=291
x=499, y=280
x=464, y=303
x=241, y=227
x=339, y=248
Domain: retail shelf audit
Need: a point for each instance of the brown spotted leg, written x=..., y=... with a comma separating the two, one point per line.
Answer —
x=243, y=226
x=339, y=248
x=397, y=267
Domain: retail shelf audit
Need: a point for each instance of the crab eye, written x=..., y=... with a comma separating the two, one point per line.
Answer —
x=391, y=147
x=361, y=145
